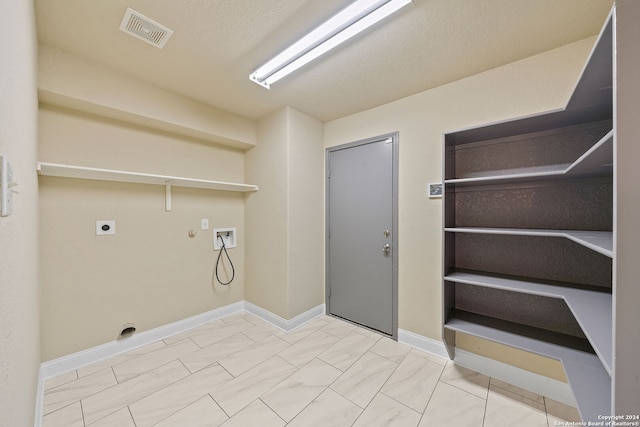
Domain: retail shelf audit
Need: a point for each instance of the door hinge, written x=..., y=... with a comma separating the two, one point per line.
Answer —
x=329, y=293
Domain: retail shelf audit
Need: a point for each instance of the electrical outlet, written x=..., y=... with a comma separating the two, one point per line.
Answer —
x=226, y=234
x=204, y=224
x=104, y=227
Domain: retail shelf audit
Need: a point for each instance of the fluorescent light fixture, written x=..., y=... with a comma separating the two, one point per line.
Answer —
x=356, y=17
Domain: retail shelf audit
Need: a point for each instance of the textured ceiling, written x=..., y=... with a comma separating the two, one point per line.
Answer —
x=218, y=43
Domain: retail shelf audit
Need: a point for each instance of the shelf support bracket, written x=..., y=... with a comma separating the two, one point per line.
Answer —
x=167, y=196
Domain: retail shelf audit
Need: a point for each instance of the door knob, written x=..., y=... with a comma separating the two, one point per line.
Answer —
x=386, y=248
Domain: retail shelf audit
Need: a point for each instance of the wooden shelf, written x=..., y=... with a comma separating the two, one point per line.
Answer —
x=598, y=241
x=598, y=160
x=592, y=309
x=590, y=382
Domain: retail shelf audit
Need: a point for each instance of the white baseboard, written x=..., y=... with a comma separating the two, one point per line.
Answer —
x=77, y=360
x=422, y=343
x=284, y=324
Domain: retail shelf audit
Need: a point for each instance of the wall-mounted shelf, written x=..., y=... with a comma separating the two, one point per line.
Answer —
x=598, y=160
x=592, y=309
x=82, y=172
x=599, y=241
x=589, y=380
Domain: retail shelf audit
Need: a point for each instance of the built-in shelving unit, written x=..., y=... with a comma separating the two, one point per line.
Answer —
x=528, y=234
x=82, y=172
x=598, y=160
x=599, y=241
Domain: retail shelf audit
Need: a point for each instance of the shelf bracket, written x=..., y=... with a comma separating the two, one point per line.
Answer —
x=167, y=196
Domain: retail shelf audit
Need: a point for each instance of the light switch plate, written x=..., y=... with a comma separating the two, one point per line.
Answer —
x=6, y=182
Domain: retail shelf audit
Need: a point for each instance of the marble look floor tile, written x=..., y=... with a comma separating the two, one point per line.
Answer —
x=117, y=397
x=221, y=331
x=466, y=379
x=161, y=404
x=451, y=406
x=369, y=333
x=414, y=381
x=132, y=368
x=121, y=418
x=390, y=349
x=507, y=408
x=123, y=357
x=364, y=378
x=256, y=414
x=339, y=328
x=74, y=391
x=241, y=315
x=245, y=359
x=261, y=331
x=442, y=361
x=60, y=380
x=252, y=318
x=303, y=331
x=293, y=394
x=517, y=390
x=206, y=356
x=384, y=411
x=106, y=363
x=246, y=388
x=346, y=351
x=198, y=330
x=144, y=349
x=558, y=413
x=328, y=409
x=202, y=413
x=305, y=350
x=69, y=416
x=327, y=318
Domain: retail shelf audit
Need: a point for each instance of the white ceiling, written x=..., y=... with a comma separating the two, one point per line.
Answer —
x=218, y=43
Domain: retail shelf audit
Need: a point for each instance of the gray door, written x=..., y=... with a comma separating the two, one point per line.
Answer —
x=361, y=233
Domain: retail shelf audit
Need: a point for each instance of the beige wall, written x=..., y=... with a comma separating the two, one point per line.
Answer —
x=80, y=84
x=150, y=272
x=266, y=216
x=306, y=213
x=19, y=290
x=285, y=255
x=536, y=84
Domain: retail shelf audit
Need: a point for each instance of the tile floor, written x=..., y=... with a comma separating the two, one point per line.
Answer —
x=242, y=371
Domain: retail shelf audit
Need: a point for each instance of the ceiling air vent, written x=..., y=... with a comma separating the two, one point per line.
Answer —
x=144, y=28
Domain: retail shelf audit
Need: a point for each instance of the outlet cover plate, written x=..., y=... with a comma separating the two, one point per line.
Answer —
x=104, y=227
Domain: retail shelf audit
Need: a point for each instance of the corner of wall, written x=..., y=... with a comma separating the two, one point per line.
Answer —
x=19, y=278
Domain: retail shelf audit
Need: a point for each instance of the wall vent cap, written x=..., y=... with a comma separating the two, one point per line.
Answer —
x=145, y=29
